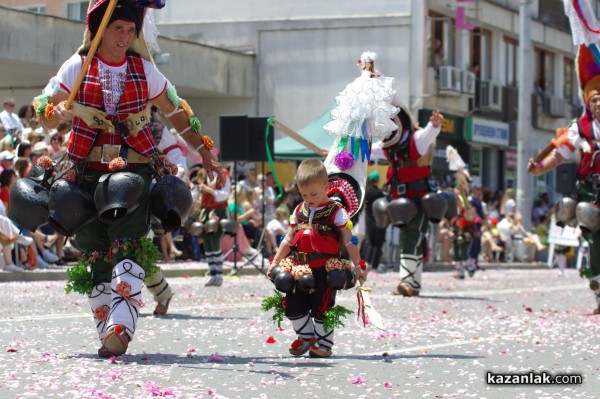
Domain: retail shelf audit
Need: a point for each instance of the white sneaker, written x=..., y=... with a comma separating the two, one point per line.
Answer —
x=49, y=256
x=13, y=268
x=24, y=240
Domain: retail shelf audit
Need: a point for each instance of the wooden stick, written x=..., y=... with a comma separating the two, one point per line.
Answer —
x=294, y=135
x=540, y=156
x=94, y=46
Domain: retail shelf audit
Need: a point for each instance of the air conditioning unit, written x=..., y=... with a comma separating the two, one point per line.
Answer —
x=450, y=80
x=468, y=83
x=490, y=96
x=555, y=106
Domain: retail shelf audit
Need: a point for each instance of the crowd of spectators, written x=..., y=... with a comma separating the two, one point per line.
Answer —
x=22, y=143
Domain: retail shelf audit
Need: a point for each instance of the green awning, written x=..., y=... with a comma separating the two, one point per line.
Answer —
x=287, y=148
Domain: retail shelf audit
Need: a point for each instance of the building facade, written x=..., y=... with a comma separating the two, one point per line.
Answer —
x=460, y=57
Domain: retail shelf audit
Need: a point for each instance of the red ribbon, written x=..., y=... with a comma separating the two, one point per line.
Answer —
x=361, y=308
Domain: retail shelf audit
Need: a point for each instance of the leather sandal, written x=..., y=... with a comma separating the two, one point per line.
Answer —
x=319, y=352
x=405, y=290
x=161, y=309
x=103, y=352
x=116, y=344
x=299, y=347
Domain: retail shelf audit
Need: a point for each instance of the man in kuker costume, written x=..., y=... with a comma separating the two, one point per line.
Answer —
x=111, y=133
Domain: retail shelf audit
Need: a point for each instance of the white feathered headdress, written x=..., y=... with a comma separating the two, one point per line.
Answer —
x=455, y=162
x=368, y=56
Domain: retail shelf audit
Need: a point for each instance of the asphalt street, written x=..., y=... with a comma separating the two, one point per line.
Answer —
x=215, y=342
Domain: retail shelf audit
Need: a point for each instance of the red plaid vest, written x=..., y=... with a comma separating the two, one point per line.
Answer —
x=133, y=100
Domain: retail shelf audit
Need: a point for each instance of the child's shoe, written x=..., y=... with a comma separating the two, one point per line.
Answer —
x=320, y=352
x=299, y=347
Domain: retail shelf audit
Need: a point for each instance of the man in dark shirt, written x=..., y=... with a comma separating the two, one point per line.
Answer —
x=475, y=201
x=375, y=236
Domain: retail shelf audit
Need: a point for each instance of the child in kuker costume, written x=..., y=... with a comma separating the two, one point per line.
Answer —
x=583, y=137
x=463, y=225
x=114, y=157
x=317, y=228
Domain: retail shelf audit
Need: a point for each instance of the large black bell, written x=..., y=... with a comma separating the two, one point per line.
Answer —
x=350, y=279
x=336, y=279
x=196, y=229
x=401, y=211
x=211, y=226
x=284, y=282
x=382, y=219
x=452, y=209
x=434, y=206
x=275, y=271
x=117, y=194
x=28, y=204
x=229, y=226
x=171, y=201
x=71, y=208
x=306, y=282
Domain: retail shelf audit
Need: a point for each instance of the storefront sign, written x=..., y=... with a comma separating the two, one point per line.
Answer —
x=487, y=132
x=452, y=126
x=510, y=159
x=461, y=22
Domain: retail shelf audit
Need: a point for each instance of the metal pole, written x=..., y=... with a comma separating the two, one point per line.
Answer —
x=524, y=180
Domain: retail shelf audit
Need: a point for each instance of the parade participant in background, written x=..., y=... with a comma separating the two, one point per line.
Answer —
x=410, y=153
x=317, y=227
x=213, y=203
x=111, y=133
x=582, y=136
x=375, y=236
x=464, y=225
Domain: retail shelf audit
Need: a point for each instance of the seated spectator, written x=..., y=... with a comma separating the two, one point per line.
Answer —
x=56, y=148
x=505, y=232
x=489, y=240
x=8, y=177
x=6, y=160
x=530, y=239
x=274, y=230
x=445, y=239
x=9, y=235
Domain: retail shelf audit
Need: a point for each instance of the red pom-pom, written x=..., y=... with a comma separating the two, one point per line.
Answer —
x=271, y=340
x=45, y=162
x=116, y=164
x=119, y=329
x=70, y=176
x=297, y=343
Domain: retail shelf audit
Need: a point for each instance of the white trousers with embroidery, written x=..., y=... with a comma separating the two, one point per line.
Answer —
x=126, y=297
x=411, y=268
x=100, y=304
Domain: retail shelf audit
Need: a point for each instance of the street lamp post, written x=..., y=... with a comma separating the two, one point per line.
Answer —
x=524, y=181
